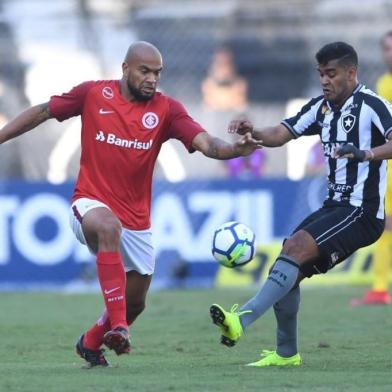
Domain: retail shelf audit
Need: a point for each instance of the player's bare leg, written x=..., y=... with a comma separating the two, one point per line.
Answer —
x=136, y=292
x=102, y=230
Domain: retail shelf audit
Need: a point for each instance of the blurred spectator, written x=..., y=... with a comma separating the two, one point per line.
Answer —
x=224, y=89
x=315, y=163
x=382, y=256
x=384, y=83
x=247, y=167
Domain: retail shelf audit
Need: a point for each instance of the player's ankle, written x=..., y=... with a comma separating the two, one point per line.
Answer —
x=121, y=326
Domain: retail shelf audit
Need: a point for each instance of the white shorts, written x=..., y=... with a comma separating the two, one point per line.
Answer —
x=136, y=246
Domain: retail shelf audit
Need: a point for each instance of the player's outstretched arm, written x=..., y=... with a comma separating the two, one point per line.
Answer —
x=25, y=121
x=216, y=148
x=270, y=136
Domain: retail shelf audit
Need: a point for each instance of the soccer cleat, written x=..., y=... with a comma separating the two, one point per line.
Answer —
x=372, y=297
x=92, y=357
x=271, y=358
x=228, y=322
x=118, y=340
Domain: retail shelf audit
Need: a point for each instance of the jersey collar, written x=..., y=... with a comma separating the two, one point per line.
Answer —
x=357, y=88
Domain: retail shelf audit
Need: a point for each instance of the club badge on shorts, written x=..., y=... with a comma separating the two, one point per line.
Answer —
x=150, y=120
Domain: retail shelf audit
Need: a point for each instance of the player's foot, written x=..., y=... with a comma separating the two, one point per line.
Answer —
x=372, y=297
x=228, y=322
x=92, y=357
x=118, y=340
x=271, y=358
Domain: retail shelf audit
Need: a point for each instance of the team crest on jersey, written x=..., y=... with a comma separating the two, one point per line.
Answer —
x=348, y=121
x=150, y=120
x=107, y=92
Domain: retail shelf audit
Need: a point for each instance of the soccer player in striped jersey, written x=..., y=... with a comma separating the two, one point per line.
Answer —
x=382, y=255
x=355, y=128
x=124, y=124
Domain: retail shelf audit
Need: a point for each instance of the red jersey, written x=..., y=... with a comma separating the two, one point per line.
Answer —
x=120, y=144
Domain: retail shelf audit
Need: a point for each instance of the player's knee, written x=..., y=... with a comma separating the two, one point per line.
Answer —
x=109, y=233
x=300, y=247
x=293, y=246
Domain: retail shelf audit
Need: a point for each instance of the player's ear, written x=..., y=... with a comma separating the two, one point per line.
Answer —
x=125, y=68
x=352, y=72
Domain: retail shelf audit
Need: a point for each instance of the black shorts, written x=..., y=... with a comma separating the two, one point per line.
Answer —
x=339, y=230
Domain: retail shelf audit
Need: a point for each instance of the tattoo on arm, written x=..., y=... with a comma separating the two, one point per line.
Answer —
x=45, y=110
x=219, y=149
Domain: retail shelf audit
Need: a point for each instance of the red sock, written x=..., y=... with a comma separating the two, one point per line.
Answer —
x=112, y=279
x=93, y=338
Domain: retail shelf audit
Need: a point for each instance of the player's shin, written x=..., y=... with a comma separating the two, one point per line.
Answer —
x=280, y=281
x=112, y=279
x=286, y=312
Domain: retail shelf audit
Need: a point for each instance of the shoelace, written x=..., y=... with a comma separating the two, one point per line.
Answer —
x=234, y=310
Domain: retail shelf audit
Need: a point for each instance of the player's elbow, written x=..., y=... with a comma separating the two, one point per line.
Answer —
x=279, y=143
x=275, y=142
x=278, y=136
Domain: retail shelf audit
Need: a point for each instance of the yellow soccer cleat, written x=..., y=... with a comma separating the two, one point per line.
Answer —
x=271, y=358
x=229, y=323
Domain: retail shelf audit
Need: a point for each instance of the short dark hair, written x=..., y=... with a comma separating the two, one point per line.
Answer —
x=344, y=53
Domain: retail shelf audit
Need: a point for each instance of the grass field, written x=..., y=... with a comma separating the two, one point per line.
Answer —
x=175, y=346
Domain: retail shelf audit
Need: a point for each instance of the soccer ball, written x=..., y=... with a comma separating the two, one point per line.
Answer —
x=233, y=244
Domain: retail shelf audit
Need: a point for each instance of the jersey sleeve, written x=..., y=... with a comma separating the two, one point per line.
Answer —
x=181, y=125
x=69, y=104
x=304, y=123
x=381, y=113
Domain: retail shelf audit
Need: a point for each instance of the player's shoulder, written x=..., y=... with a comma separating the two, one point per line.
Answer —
x=372, y=99
x=315, y=101
x=105, y=87
x=313, y=104
x=108, y=88
x=319, y=98
x=167, y=98
x=173, y=105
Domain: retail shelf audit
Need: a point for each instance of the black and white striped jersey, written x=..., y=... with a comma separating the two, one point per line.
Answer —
x=365, y=120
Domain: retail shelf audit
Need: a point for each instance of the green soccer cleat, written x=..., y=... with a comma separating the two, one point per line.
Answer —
x=271, y=358
x=229, y=323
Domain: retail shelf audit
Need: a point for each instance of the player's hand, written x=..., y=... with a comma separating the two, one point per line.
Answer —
x=246, y=144
x=351, y=152
x=240, y=126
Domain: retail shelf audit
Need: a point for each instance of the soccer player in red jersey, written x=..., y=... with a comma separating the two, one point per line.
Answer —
x=124, y=124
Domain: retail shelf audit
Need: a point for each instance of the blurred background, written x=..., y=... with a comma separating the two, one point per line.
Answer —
x=222, y=59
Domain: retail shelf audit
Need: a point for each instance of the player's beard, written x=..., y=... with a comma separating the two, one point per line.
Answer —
x=137, y=93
